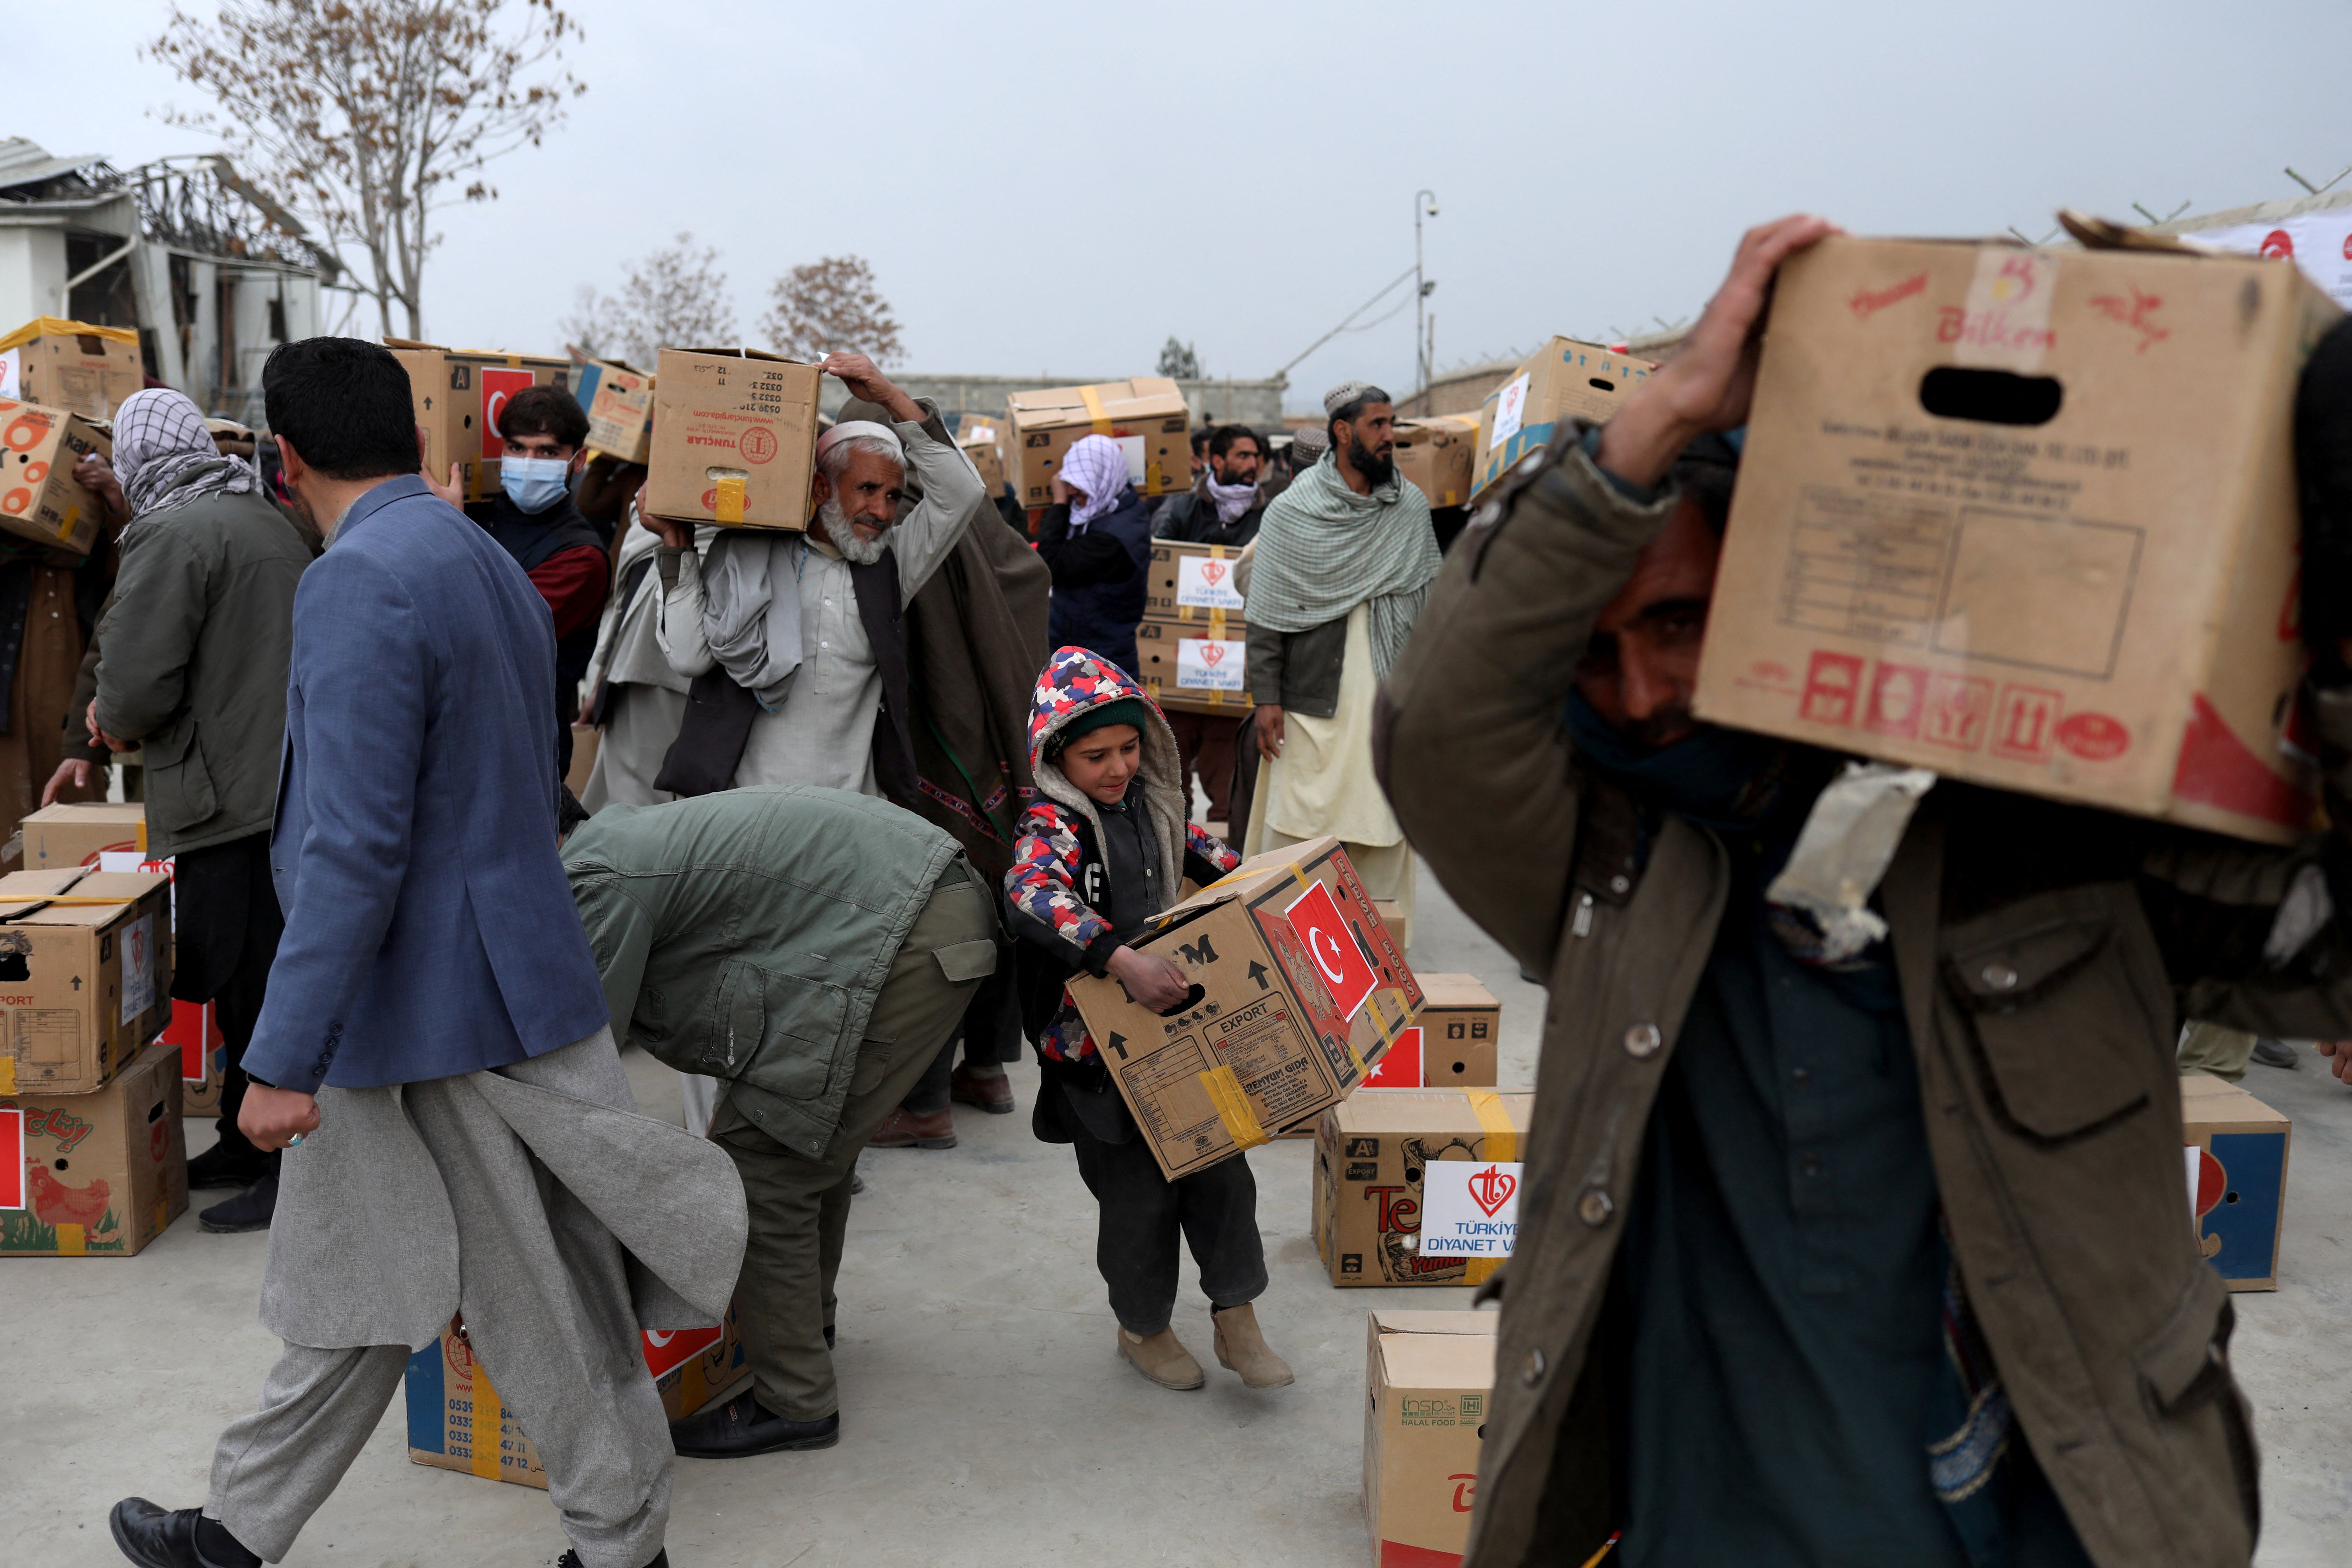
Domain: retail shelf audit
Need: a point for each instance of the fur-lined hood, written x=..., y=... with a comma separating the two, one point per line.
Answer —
x=1075, y=681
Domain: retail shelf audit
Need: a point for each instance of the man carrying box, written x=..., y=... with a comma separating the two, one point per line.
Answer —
x=1224, y=507
x=435, y=1048
x=1887, y=1227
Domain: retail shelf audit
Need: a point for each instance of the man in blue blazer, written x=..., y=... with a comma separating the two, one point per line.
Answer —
x=435, y=1052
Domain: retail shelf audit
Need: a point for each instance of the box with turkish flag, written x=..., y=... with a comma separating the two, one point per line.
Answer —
x=2236, y=1149
x=459, y=394
x=194, y=1033
x=1419, y=1186
x=1297, y=991
x=1428, y=1379
x=94, y=1175
x=457, y=1422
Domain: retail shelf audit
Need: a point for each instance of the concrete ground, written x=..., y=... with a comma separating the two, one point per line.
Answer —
x=986, y=1420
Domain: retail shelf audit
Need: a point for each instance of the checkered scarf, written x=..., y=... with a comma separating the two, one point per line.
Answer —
x=165, y=458
x=1323, y=550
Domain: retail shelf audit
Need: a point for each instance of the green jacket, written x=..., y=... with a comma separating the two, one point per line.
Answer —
x=192, y=656
x=2046, y=956
x=744, y=935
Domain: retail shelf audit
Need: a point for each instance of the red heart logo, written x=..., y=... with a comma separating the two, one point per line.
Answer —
x=1491, y=1188
x=1213, y=572
x=1213, y=653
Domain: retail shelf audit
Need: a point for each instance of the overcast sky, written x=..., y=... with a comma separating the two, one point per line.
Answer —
x=1053, y=189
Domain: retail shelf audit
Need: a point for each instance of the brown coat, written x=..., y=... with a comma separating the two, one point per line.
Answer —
x=2046, y=955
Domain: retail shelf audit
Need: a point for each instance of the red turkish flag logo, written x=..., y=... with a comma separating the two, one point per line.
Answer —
x=12, y=1158
x=1315, y=916
x=666, y=1351
x=1401, y=1067
x=498, y=385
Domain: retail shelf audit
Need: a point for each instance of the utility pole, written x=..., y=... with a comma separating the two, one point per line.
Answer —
x=1425, y=205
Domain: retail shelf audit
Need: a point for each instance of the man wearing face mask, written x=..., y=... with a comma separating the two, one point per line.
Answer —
x=534, y=520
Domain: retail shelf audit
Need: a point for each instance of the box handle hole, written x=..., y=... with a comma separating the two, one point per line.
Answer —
x=1990, y=397
x=1192, y=1000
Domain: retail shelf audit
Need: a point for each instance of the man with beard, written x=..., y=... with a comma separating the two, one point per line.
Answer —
x=1224, y=507
x=1341, y=567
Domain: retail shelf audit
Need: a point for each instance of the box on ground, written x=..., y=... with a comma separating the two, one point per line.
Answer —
x=734, y=439
x=1427, y=1381
x=457, y=1422
x=2028, y=519
x=71, y=366
x=1296, y=989
x=1440, y=454
x=98, y=1174
x=2237, y=1149
x=59, y=838
x=194, y=1032
x=1563, y=380
x=85, y=976
x=980, y=438
x=1451, y=1043
x=1193, y=669
x=1377, y=1156
x=619, y=403
x=1146, y=416
x=458, y=396
x=39, y=500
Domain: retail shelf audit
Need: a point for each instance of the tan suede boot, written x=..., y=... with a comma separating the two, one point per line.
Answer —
x=1242, y=1348
x=1162, y=1359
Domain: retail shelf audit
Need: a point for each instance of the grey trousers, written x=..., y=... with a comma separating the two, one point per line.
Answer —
x=545, y=1296
x=799, y=1206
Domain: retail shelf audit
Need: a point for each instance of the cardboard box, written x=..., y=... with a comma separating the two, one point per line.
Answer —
x=1196, y=585
x=1373, y=1154
x=194, y=1033
x=71, y=366
x=98, y=1174
x=1428, y=1376
x=1146, y=416
x=982, y=439
x=2028, y=519
x=1440, y=454
x=2237, y=1149
x=457, y=1422
x=1193, y=669
x=1563, y=380
x=85, y=976
x=39, y=500
x=59, y=838
x=459, y=394
x=1296, y=989
x=619, y=402
x=734, y=439
x=1451, y=1043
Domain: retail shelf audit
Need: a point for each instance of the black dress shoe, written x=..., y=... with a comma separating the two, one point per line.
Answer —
x=570, y=1559
x=249, y=1210
x=2275, y=1053
x=742, y=1427
x=219, y=1167
x=154, y=1537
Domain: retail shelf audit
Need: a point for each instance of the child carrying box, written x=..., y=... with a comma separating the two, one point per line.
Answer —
x=1105, y=848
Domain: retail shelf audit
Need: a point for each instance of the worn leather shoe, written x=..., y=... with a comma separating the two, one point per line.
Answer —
x=155, y=1537
x=219, y=1167
x=1162, y=1357
x=2274, y=1053
x=902, y=1130
x=743, y=1426
x=993, y=1095
x=570, y=1559
x=1241, y=1348
x=249, y=1210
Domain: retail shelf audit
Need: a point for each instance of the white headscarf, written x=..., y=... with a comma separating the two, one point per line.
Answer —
x=1096, y=466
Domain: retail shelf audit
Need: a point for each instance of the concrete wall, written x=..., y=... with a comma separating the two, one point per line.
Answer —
x=32, y=272
x=1255, y=402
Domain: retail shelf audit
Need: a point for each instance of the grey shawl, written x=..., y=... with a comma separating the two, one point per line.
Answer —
x=1323, y=550
x=752, y=609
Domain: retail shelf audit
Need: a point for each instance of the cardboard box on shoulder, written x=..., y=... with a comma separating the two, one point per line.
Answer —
x=39, y=500
x=1295, y=990
x=459, y=394
x=1419, y=1186
x=85, y=976
x=980, y=437
x=1440, y=454
x=1562, y=380
x=1428, y=1380
x=457, y=1422
x=2236, y=1150
x=71, y=366
x=58, y=838
x=1146, y=416
x=2029, y=519
x=98, y=1174
x=1451, y=1043
x=734, y=439
x=619, y=402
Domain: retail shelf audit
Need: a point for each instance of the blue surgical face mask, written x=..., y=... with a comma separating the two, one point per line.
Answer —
x=534, y=484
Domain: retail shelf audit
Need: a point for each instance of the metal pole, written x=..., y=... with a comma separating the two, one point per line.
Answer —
x=1421, y=199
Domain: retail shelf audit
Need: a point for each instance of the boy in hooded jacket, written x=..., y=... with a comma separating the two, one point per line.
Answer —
x=1106, y=847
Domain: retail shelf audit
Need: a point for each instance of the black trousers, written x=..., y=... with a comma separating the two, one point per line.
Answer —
x=228, y=924
x=1141, y=1215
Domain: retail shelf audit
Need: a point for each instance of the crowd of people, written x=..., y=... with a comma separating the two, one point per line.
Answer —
x=866, y=799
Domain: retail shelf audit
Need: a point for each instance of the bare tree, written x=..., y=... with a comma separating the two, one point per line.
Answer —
x=1178, y=360
x=368, y=116
x=675, y=298
x=831, y=306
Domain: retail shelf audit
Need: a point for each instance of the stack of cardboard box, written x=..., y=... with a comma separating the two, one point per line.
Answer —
x=1194, y=639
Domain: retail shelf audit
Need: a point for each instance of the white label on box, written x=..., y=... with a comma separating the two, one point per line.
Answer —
x=1510, y=408
x=1210, y=664
x=10, y=378
x=1207, y=584
x=2320, y=243
x=1469, y=1208
x=1133, y=447
x=138, y=949
x=2005, y=319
